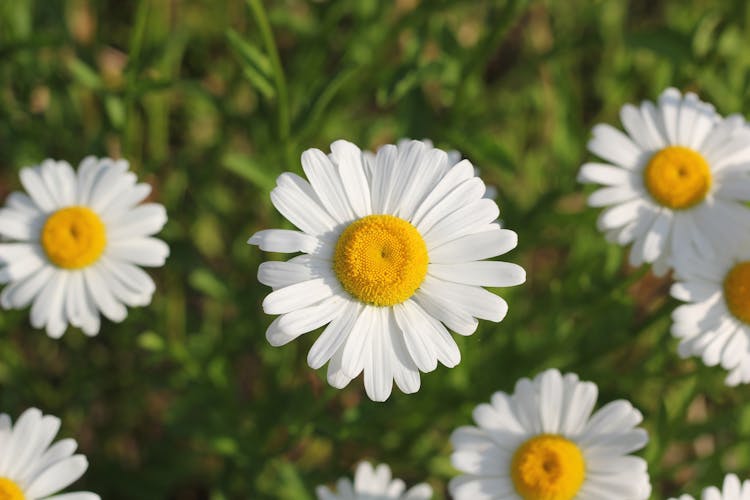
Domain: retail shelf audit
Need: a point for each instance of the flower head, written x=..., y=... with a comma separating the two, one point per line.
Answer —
x=374, y=484
x=676, y=183
x=77, y=239
x=715, y=324
x=393, y=252
x=542, y=442
x=31, y=467
x=733, y=490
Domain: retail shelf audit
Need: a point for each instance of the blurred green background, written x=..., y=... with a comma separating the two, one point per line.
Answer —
x=210, y=100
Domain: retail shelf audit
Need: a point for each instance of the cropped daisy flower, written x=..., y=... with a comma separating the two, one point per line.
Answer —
x=77, y=241
x=31, y=469
x=542, y=442
x=675, y=183
x=374, y=484
x=392, y=252
x=733, y=490
x=716, y=323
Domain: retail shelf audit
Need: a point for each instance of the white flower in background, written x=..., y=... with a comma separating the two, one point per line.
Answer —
x=542, y=442
x=78, y=239
x=374, y=484
x=676, y=183
x=716, y=323
x=391, y=253
x=733, y=490
x=31, y=467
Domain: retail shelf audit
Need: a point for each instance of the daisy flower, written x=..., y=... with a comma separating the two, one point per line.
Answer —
x=542, y=442
x=374, y=484
x=675, y=183
x=716, y=323
x=733, y=490
x=393, y=253
x=31, y=469
x=77, y=241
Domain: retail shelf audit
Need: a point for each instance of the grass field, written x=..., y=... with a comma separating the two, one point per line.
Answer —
x=210, y=100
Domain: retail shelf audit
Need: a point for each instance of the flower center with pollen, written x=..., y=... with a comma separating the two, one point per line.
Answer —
x=548, y=467
x=10, y=490
x=737, y=291
x=73, y=237
x=677, y=177
x=381, y=260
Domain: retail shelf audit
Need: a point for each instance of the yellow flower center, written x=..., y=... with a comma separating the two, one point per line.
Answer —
x=737, y=291
x=677, y=177
x=548, y=467
x=10, y=490
x=73, y=237
x=380, y=259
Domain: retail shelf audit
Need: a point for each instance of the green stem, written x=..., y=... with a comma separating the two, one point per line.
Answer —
x=259, y=11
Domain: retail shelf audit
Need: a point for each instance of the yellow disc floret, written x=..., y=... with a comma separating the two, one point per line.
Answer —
x=73, y=237
x=737, y=291
x=677, y=177
x=9, y=490
x=381, y=259
x=548, y=467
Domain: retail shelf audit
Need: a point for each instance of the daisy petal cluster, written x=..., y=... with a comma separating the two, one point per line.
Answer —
x=76, y=240
x=543, y=442
x=715, y=324
x=394, y=253
x=374, y=483
x=675, y=182
x=31, y=467
x=732, y=490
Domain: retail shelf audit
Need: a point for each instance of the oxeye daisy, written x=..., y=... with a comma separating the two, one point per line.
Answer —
x=675, y=183
x=31, y=467
x=733, y=490
x=393, y=253
x=716, y=323
x=542, y=442
x=374, y=484
x=77, y=240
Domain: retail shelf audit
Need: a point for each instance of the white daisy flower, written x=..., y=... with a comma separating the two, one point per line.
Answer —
x=542, y=442
x=733, y=490
x=77, y=242
x=374, y=484
x=716, y=323
x=392, y=251
x=675, y=183
x=31, y=467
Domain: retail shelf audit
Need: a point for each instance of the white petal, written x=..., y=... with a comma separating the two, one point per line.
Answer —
x=326, y=182
x=143, y=220
x=614, y=146
x=299, y=295
x=296, y=200
x=34, y=184
x=480, y=273
x=358, y=342
x=150, y=252
x=102, y=296
x=58, y=476
x=466, y=220
x=602, y=173
x=474, y=300
x=477, y=246
x=284, y=241
x=348, y=159
x=334, y=336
